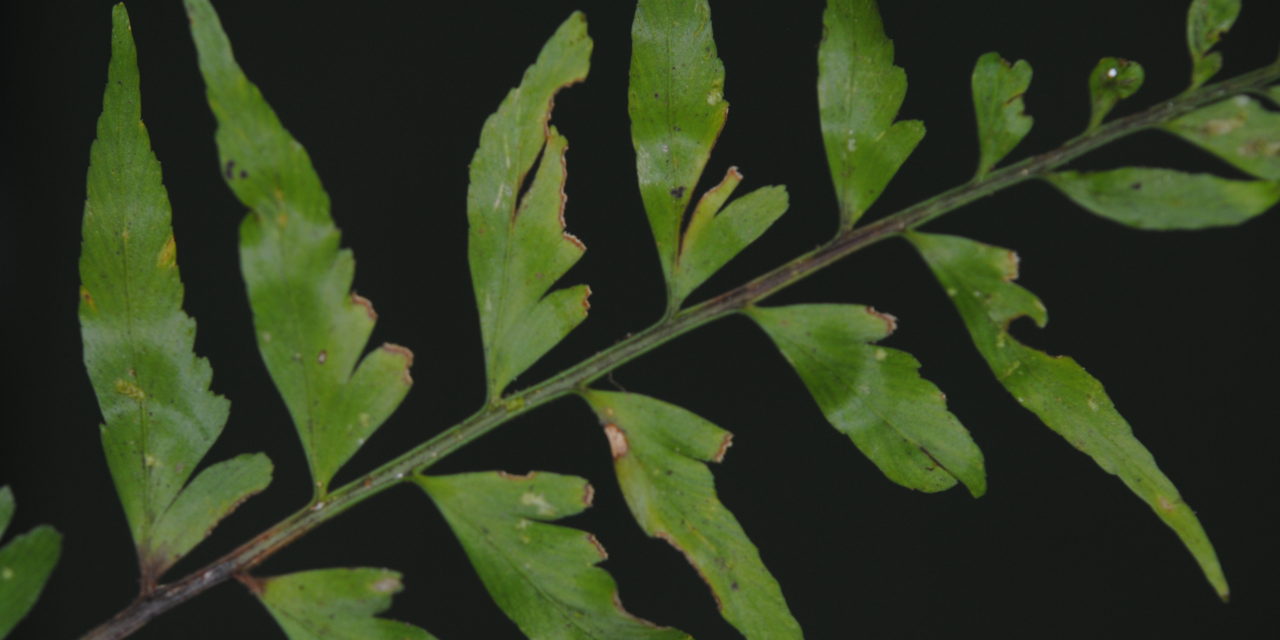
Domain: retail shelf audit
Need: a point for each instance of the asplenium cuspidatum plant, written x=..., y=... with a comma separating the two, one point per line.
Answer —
x=161, y=419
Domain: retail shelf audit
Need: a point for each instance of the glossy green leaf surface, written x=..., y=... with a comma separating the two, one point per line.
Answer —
x=1112, y=80
x=517, y=245
x=677, y=108
x=543, y=576
x=1166, y=199
x=875, y=394
x=660, y=453
x=213, y=494
x=335, y=604
x=1207, y=21
x=25, y=564
x=979, y=280
x=311, y=328
x=160, y=417
x=1239, y=130
x=997, y=99
x=716, y=233
x=859, y=94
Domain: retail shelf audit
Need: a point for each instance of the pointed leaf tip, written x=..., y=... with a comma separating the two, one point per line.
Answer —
x=875, y=395
x=517, y=244
x=311, y=328
x=1059, y=391
x=998, y=88
x=543, y=576
x=660, y=453
x=859, y=94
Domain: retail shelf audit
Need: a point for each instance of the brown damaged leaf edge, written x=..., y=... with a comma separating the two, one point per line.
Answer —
x=618, y=445
x=403, y=352
x=890, y=320
x=667, y=537
x=364, y=302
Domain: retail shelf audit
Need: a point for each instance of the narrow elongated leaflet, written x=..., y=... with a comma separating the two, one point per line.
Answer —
x=160, y=417
x=660, y=453
x=517, y=246
x=542, y=575
x=25, y=564
x=335, y=604
x=997, y=100
x=1239, y=130
x=875, y=394
x=979, y=280
x=1112, y=80
x=859, y=94
x=1207, y=21
x=1166, y=199
x=677, y=108
x=311, y=328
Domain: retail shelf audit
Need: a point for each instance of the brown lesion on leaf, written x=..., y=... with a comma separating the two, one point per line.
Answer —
x=669, y=539
x=618, y=445
x=87, y=299
x=322, y=357
x=1166, y=505
x=588, y=494
x=586, y=299
x=890, y=321
x=167, y=257
x=604, y=555
x=362, y=301
x=405, y=353
x=723, y=448
x=516, y=477
x=1011, y=266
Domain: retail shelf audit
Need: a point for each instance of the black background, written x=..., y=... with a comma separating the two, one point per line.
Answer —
x=389, y=99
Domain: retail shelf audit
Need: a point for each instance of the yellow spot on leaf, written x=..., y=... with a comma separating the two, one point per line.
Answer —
x=538, y=501
x=881, y=354
x=7, y=574
x=1165, y=504
x=87, y=298
x=126, y=388
x=168, y=253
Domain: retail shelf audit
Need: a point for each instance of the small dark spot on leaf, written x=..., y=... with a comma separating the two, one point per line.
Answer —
x=227, y=171
x=677, y=192
x=655, y=94
x=244, y=174
x=1136, y=186
x=734, y=586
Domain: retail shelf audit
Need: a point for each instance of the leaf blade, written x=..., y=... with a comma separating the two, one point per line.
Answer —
x=659, y=452
x=875, y=394
x=1207, y=21
x=1112, y=80
x=335, y=604
x=859, y=94
x=1238, y=130
x=517, y=248
x=543, y=576
x=676, y=103
x=1166, y=199
x=1058, y=390
x=713, y=239
x=311, y=328
x=209, y=498
x=997, y=100
x=160, y=418
x=25, y=564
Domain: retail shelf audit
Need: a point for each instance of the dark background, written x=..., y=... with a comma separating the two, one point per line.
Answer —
x=389, y=99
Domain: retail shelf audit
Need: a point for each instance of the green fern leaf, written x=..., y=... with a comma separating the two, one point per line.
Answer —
x=979, y=280
x=311, y=328
x=160, y=417
x=334, y=604
x=542, y=575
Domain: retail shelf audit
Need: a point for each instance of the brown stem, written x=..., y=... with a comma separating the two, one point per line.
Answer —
x=248, y=555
